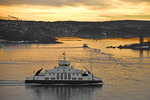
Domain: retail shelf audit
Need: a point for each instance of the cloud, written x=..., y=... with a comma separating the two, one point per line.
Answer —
x=56, y=2
x=136, y=1
x=128, y=17
x=79, y=10
x=31, y=2
x=90, y=4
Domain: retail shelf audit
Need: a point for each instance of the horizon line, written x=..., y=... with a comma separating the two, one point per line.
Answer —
x=74, y=20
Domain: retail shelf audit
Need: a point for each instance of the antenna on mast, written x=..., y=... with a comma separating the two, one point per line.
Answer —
x=91, y=62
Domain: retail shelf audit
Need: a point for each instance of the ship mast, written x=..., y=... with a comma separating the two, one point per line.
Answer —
x=64, y=57
x=91, y=62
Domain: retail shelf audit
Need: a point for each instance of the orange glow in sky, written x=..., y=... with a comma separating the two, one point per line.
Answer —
x=77, y=10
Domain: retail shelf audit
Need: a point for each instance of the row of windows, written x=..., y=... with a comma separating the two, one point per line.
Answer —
x=46, y=78
x=75, y=73
x=51, y=73
x=76, y=78
x=58, y=73
x=63, y=69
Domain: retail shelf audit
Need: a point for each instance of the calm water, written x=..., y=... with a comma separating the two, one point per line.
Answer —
x=126, y=73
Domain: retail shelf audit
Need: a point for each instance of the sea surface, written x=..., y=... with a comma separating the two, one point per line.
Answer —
x=125, y=72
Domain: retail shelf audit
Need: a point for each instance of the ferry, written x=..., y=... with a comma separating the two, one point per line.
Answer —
x=85, y=46
x=64, y=74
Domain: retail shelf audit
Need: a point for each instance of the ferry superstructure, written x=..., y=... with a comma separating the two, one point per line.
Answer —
x=64, y=74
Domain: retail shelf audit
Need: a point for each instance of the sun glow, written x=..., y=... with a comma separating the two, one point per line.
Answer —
x=102, y=11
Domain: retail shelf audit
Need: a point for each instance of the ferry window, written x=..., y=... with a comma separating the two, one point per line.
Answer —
x=65, y=76
x=73, y=74
x=69, y=76
x=46, y=78
x=74, y=78
x=49, y=73
x=69, y=69
x=77, y=73
x=52, y=78
x=53, y=73
x=80, y=78
x=61, y=75
x=58, y=76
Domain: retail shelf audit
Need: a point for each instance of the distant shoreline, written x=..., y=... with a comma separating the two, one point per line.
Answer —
x=26, y=42
x=63, y=39
x=47, y=32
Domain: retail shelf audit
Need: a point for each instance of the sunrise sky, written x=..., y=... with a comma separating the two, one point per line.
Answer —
x=75, y=10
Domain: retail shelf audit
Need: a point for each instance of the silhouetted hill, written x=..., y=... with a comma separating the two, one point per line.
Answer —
x=45, y=32
x=28, y=31
x=112, y=29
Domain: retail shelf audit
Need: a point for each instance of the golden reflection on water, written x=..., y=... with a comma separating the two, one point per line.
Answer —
x=19, y=61
x=122, y=70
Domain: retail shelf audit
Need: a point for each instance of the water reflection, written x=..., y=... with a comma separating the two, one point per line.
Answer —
x=143, y=55
x=44, y=92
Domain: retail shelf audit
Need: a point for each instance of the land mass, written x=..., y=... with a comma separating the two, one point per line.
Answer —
x=46, y=32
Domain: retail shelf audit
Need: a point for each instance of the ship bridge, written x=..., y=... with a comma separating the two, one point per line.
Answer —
x=64, y=62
